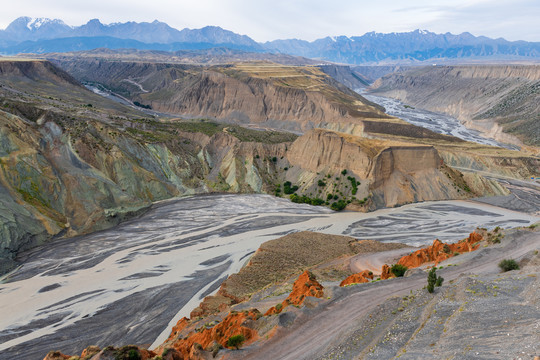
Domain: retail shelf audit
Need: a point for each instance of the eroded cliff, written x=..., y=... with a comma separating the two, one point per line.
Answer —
x=385, y=173
x=501, y=101
x=271, y=95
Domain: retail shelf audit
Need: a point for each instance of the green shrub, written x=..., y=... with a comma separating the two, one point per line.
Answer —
x=236, y=341
x=508, y=264
x=344, y=172
x=431, y=280
x=338, y=205
x=289, y=188
x=279, y=306
x=321, y=183
x=398, y=270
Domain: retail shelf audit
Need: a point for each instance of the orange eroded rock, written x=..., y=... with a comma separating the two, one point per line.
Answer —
x=56, y=355
x=440, y=251
x=180, y=325
x=386, y=273
x=305, y=285
x=90, y=351
x=235, y=323
x=359, y=278
x=109, y=352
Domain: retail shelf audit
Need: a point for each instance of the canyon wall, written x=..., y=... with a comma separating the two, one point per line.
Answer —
x=502, y=101
x=58, y=181
x=284, y=97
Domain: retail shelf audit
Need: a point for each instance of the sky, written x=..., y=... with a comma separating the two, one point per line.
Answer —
x=265, y=20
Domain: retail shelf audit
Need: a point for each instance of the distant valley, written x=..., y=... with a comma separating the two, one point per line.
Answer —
x=497, y=100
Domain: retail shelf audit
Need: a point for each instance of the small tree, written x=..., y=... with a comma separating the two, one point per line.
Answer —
x=236, y=341
x=508, y=264
x=433, y=280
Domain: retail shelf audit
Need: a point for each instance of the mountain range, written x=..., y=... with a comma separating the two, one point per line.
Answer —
x=41, y=35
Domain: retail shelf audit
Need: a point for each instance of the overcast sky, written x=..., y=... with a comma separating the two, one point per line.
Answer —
x=265, y=20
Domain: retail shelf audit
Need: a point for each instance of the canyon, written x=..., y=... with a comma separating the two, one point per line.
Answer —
x=150, y=204
x=105, y=162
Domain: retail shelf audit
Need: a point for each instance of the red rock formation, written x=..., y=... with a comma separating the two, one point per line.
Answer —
x=235, y=323
x=386, y=273
x=90, y=351
x=305, y=285
x=180, y=325
x=359, y=278
x=108, y=353
x=56, y=355
x=440, y=251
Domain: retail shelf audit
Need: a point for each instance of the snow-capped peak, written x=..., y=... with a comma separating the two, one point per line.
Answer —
x=35, y=23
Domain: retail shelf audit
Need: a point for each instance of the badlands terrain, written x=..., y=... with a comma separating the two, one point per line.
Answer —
x=93, y=229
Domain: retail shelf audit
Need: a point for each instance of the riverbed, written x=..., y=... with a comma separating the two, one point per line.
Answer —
x=436, y=122
x=130, y=284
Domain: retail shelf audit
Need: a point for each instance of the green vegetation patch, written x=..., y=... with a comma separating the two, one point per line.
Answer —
x=398, y=270
x=508, y=265
x=236, y=341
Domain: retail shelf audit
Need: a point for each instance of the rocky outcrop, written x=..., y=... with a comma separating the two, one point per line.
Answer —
x=189, y=344
x=358, y=278
x=328, y=151
x=386, y=273
x=440, y=251
x=489, y=98
x=306, y=285
x=389, y=172
x=110, y=352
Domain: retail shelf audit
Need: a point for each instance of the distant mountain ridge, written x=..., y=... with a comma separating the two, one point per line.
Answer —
x=41, y=35
x=38, y=30
x=406, y=47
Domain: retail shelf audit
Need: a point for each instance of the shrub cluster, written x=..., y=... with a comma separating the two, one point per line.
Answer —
x=508, y=264
x=354, y=184
x=306, y=200
x=338, y=205
x=398, y=270
x=289, y=188
x=236, y=341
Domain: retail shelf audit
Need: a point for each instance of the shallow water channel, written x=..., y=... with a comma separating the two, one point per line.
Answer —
x=131, y=283
x=439, y=123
